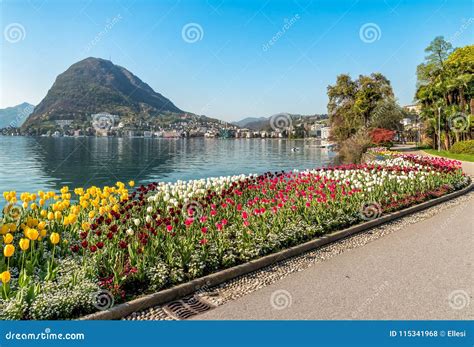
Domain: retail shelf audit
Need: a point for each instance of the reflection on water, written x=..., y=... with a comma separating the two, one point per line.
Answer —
x=29, y=164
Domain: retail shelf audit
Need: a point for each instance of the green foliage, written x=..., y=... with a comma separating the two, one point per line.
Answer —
x=451, y=155
x=387, y=115
x=446, y=82
x=355, y=106
x=463, y=147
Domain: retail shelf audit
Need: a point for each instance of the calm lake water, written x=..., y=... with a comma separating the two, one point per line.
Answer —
x=30, y=164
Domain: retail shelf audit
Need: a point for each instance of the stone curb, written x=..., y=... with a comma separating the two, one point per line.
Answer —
x=217, y=278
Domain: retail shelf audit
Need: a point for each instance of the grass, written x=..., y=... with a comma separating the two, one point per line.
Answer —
x=450, y=155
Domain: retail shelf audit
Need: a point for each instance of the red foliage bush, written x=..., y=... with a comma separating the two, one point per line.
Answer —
x=380, y=135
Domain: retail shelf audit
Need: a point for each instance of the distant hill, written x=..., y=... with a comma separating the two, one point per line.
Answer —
x=15, y=116
x=96, y=85
x=243, y=123
x=264, y=123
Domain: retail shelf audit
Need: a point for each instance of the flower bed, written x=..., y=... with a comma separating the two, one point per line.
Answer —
x=72, y=253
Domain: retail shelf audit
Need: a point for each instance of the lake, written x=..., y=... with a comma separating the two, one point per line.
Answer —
x=33, y=163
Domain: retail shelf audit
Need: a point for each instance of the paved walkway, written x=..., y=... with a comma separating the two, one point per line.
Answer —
x=425, y=271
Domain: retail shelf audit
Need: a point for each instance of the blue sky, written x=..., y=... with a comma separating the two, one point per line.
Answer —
x=249, y=58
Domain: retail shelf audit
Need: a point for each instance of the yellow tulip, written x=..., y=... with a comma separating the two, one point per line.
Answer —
x=24, y=244
x=8, y=251
x=32, y=234
x=34, y=206
x=131, y=183
x=54, y=238
x=50, y=215
x=91, y=214
x=41, y=225
x=8, y=238
x=12, y=227
x=25, y=204
x=43, y=233
x=5, y=277
x=32, y=222
x=4, y=229
x=58, y=215
x=43, y=213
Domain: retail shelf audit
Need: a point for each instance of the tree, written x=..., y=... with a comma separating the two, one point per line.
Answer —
x=353, y=104
x=357, y=105
x=342, y=114
x=446, y=82
x=388, y=115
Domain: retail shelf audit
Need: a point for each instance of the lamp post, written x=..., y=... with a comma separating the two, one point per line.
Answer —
x=439, y=129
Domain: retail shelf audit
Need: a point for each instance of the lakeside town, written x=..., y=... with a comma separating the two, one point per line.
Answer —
x=105, y=124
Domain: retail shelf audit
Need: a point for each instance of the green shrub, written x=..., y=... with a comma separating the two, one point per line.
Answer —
x=463, y=147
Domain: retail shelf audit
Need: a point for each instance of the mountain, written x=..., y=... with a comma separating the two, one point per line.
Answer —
x=15, y=116
x=265, y=123
x=243, y=122
x=96, y=85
